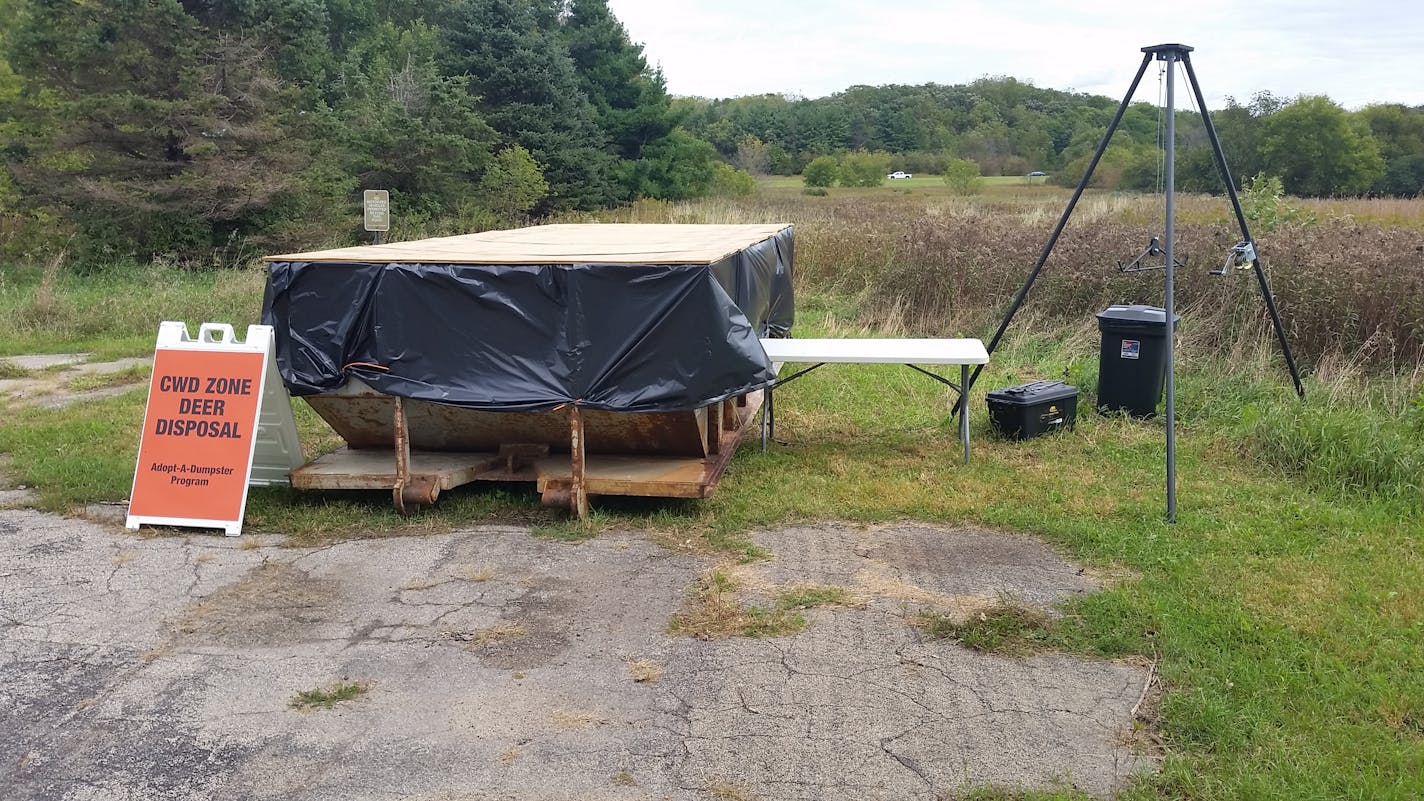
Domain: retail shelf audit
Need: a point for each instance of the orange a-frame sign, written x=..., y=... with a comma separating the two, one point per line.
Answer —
x=200, y=427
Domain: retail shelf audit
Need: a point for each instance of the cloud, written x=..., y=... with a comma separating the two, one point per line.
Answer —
x=1355, y=53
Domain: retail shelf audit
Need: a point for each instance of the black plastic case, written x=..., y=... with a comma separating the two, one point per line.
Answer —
x=1032, y=409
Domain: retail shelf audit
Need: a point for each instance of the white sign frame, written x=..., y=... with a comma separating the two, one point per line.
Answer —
x=376, y=210
x=215, y=338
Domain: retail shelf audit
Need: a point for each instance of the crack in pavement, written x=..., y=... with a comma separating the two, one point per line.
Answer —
x=908, y=763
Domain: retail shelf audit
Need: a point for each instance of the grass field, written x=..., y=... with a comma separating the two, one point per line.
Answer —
x=1285, y=608
x=921, y=183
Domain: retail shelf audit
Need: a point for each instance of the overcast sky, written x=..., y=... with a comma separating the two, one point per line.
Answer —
x=1361, y=52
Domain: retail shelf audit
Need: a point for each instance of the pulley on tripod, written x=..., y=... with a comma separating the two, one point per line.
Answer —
x=1242, y=256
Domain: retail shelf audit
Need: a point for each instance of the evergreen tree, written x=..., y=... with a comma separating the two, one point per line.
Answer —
x=154, y=135
x=408, y=128
x=630, y=100
x=528, y=91
x=12, y=131
x=295, y=31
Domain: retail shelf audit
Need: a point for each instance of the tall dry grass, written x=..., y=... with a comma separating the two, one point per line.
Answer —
x=1347, y=289
x=1350, y=288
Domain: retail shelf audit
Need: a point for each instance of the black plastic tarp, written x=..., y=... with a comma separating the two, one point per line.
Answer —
x=623, y=337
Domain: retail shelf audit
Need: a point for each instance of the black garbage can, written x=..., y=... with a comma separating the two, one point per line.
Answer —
x=1132, y=363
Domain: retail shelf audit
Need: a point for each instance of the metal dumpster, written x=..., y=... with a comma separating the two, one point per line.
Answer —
x=589, y=359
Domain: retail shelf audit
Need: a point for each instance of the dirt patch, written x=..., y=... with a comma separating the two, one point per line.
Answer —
x=274, y=604
x=956, y=571
x=55, y=381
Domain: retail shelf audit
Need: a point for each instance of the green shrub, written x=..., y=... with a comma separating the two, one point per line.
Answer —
x=821, y=172
x=513, y=185
x=1263, y=203
x=962, y=177
x=864, y=169
x=728, y=181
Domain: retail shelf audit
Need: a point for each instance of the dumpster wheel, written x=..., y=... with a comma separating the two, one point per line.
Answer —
x=414, y=493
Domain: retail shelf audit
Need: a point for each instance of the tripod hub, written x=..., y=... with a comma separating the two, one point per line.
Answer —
x=1161, y=50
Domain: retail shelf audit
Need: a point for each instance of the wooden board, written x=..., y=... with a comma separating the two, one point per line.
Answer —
x=597, y=243
x=376, y=469
x=630, y=475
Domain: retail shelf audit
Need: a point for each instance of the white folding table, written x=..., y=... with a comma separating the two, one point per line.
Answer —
x=909, y=352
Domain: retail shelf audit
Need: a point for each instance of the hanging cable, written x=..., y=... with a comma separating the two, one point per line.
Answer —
x=1190, y=97
x=1161, y=137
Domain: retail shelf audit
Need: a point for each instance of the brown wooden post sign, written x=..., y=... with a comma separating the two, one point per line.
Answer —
x=376, y=207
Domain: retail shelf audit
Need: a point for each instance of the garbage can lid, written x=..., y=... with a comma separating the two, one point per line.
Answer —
x=1137, y=313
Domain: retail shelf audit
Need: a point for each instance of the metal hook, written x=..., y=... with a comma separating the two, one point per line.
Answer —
x=1153, y=249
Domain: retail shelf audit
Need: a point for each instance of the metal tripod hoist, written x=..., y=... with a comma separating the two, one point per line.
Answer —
x=1239, y=257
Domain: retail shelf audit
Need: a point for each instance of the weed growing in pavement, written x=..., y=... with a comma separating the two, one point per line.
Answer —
x=328, y=697
x=88, y=382
x=645, y=671
x=808, y=596
x=499, y=632
x=1006, y=629
x=992, y=793
x=715, y=610
x=729, y=792
x=770, y=621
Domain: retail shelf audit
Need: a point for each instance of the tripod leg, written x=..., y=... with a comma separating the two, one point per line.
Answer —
x=1245, y=231
x=1063, y=220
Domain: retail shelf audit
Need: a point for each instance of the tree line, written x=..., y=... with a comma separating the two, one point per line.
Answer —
x=1008, y=127
x=189, y=127
x=179, y=126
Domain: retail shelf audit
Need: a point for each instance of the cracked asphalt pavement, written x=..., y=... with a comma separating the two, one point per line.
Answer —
x=504, y=666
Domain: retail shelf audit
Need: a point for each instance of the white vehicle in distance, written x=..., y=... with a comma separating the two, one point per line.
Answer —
x=898, y=174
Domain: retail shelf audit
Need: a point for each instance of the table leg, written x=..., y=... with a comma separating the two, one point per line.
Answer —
x=771, y=414
x=964, y=409
x=765, y=415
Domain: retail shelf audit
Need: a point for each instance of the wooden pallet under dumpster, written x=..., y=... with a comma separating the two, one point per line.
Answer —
x=417, y=449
